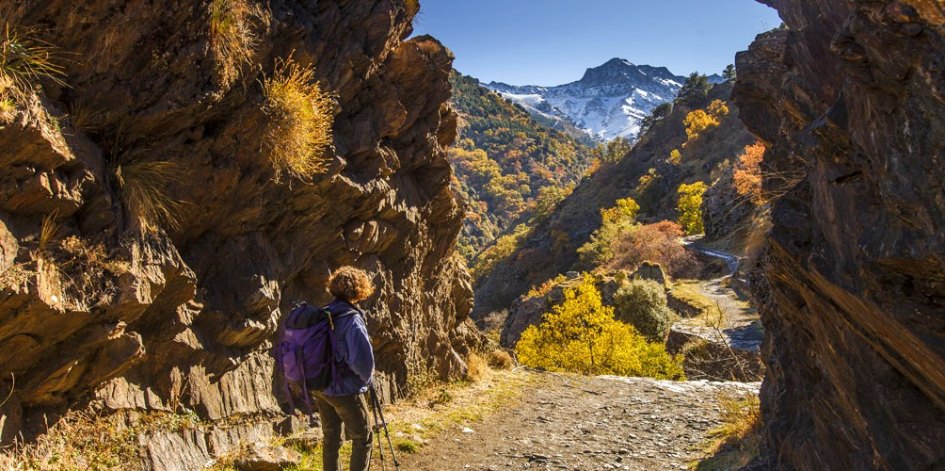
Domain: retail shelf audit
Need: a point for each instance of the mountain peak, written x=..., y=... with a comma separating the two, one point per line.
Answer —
x=617, y=62
x=609, y=101
x=619, y=70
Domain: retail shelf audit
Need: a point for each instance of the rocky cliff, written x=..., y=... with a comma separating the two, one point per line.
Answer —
x=148, y=245
x=850, y=99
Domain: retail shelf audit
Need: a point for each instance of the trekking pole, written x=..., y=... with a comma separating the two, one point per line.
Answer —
x=380, y=413
x=377, y=433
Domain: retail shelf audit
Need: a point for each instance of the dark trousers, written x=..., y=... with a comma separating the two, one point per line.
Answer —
x=353, y=413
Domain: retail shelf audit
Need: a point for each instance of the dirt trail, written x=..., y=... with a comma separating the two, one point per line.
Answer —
x=739, y=324
x=581, y=423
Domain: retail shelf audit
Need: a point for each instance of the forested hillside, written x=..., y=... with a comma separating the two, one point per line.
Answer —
x=689, y=147
x=507, y=167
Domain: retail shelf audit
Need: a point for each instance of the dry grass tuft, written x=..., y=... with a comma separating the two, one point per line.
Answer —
x=85, y=117
x=25, y=59
x=501, y=360
x=50, y=232
x=300, y=121
x=93, y=257
x=7, y=106
x=231, y=36
x=145, y=187
x=737, y=442
x=476, y=368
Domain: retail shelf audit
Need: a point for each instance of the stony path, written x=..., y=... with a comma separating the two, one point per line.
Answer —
x=739, y=324
x=581, y=423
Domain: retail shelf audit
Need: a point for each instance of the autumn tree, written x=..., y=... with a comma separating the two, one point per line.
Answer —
x=658, y=242
x=501, y=249
x=698, y=121
x=675, y=156
x=581, y=335
x=690, y=207
x=747, y=177
x=615, y=222
x=718, y=109
x=549, y=197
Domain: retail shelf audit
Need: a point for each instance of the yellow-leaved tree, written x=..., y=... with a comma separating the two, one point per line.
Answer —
x=615, y=221
x=690, y=207
x=581, y=335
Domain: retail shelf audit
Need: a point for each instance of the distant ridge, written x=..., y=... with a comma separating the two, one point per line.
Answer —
x=609, y=101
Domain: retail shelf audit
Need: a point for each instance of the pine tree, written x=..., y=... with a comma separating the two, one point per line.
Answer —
x=729, y=73
x=696, y=88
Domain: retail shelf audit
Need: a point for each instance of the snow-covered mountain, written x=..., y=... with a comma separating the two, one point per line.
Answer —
x=609, y=101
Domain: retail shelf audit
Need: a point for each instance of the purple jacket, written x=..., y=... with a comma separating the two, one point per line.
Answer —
x=354, y=355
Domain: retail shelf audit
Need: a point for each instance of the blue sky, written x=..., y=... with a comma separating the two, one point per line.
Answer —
x=551, y=42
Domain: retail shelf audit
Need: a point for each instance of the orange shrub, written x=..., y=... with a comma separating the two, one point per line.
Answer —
x=658, y=243
x=747, y=176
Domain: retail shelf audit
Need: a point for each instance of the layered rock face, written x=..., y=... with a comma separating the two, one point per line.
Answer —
x=851, y=100
x=93, y=305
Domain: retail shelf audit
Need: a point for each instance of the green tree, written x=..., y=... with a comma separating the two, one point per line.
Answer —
x=613, y=150
x=690, y=207
x=581, y=335
x=695, y=89
x=729, y=73
x=642, y=304
x=658, y=114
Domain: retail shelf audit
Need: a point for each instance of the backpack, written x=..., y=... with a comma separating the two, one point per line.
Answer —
x=306, y=351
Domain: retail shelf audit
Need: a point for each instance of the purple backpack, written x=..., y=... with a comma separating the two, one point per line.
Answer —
x=306, y=351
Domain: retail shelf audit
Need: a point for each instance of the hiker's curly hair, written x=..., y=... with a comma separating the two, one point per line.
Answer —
x=350, y=284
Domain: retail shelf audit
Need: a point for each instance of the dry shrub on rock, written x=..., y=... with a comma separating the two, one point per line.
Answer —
x=501, y=360
x=737, y=441
x=476, y=367
x=24, y=60
x=231, y=36
x=145, y=191
x=300, y=121
x=413, y=7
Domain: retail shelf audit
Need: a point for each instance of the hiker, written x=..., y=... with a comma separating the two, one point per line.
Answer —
x=343, y=402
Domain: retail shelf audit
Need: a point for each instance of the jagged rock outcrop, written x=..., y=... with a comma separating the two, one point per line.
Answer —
x=183, y=317
x=850, y=99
